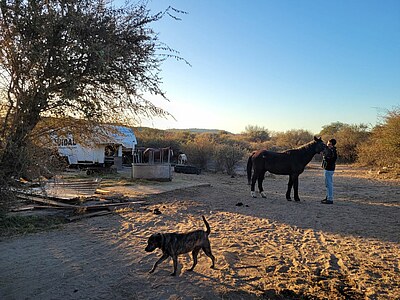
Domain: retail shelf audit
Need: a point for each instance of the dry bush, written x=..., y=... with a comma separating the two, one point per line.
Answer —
x=228, y=156
x=257, y=134
x=6, y=196
x=200, y=150
x=348, y=138
x=291, y=139
x=383, y=146
x=42, y=162
x=34, y=163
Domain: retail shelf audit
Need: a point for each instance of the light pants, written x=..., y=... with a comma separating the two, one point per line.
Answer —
x=329, y=184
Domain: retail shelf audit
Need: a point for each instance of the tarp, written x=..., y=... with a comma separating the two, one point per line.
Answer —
x=124, y=136
x=117, y=135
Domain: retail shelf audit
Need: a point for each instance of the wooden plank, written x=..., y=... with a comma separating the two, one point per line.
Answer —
x=67, y=180
x=46, y=201
x=38, y=194
x=58, y=204
x=49, y=207
x=24, y=208
x=102, y=192
x=110, y=205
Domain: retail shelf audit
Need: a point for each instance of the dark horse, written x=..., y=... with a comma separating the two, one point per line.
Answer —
x=291, y=162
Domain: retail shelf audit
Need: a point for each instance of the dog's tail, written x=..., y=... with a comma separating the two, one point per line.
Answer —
x=207, y=225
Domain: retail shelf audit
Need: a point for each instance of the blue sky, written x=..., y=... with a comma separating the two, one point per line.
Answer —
x=282, y=64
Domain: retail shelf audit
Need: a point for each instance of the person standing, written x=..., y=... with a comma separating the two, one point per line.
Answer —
x=329, y=165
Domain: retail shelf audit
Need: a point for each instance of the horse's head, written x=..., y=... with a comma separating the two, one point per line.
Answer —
x=319, y=144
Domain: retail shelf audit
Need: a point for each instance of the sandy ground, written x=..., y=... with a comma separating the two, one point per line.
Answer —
x=265, y=249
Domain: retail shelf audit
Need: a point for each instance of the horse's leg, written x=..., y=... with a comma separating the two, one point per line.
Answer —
x=260, y=181
x=253, y=183
x=289, y=188
x=296, y=187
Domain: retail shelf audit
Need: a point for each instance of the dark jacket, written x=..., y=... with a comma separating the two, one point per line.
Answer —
x=329, y=159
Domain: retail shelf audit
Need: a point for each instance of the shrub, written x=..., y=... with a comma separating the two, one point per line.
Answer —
x=383, y=146
x=348, y=137
x=291, y=139
x=200, y=150
x=227, y=157
x=258, y=134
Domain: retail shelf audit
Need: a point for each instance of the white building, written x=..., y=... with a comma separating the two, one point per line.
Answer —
x=110, y=147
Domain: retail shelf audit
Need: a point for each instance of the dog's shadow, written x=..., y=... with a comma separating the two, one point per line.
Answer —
x=184, y=266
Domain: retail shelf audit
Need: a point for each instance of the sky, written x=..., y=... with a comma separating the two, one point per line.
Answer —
x=279, y=64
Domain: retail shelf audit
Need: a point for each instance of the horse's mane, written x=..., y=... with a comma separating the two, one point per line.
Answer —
x=304, y=147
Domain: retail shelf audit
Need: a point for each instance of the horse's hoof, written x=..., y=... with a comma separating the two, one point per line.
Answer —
x=298, y=199
x=263, y=195
x=288, y=199
x=253, y=194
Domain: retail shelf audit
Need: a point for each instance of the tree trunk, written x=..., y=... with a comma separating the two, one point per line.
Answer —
x=13, y=159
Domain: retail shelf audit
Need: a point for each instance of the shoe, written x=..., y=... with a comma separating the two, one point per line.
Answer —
x=325, y=201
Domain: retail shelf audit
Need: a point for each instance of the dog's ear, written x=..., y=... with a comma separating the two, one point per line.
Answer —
x=157, y=237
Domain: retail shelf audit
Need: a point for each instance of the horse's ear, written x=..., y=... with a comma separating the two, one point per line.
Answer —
x=317, y=139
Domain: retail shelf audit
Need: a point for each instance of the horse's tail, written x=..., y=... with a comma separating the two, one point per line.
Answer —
x=249, y=168
x=207, y=225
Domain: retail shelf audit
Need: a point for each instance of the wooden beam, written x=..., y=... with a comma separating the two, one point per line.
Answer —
x=46, y=201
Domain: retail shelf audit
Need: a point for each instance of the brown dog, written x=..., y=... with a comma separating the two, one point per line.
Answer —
x=173, y=244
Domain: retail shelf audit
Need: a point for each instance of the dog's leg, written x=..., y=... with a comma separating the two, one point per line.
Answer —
x=175, y=260
x=207, y=251
x=195, y=252
x=161, y=259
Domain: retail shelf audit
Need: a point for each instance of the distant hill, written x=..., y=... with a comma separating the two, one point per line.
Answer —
x=190, y=130
x=197, y=130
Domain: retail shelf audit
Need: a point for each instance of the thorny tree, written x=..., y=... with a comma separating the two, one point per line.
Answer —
x=74, y=59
